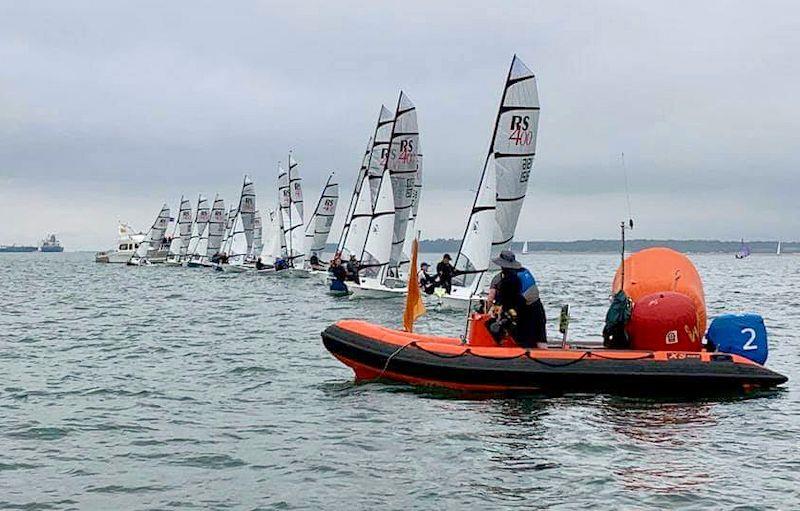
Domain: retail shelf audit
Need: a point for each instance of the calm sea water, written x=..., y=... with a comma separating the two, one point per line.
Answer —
x=163, y=388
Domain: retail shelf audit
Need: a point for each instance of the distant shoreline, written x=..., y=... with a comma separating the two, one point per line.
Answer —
x=599, y=246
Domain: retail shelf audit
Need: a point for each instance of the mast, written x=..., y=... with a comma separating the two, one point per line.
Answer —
x=357, y=186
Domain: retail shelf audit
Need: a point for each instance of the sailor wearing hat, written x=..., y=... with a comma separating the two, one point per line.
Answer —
x=514, y=296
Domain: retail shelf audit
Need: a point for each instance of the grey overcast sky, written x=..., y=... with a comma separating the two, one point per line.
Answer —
x=108, y=109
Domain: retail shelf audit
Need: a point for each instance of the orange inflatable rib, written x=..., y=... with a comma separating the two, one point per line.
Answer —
x=376, y=352
x=655, y=270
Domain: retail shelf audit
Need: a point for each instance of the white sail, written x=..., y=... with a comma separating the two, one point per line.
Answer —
x=525, y=247
x=296, y=187
x=258, y=234
x=216, y=227
x=359, y=225
x=319, y=226
x=175, y=241
x=284, y=201
x=402, y=167
x=778, y=251
x=201, y=249
x=474, y=255
x=514, y=147
x=296, y=238
x=184, y=225
x=247, y=210
x=274, y=237
x=152, y=240
x=228, y=228
x=378, y=245
x=237, y=242
x=360, y=178
x=202, y=214
x=412, y=217
x=379, y=153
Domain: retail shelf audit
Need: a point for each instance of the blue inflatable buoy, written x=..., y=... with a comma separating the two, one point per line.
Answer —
x=740, y=334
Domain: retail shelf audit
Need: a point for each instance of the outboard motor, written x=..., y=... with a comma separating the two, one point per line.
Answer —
x=740, y=334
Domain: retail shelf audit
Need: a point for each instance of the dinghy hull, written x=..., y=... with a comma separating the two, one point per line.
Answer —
x=375, y=352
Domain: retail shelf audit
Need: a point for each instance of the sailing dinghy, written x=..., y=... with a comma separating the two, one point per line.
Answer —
x=290, y=195
x=211, y=237
x=508, y=166
x=319, y=225
x=377, y=248
x=744, y=251
x=153, y=238
x=201, y=217
x=236, y=248
x=181, y=235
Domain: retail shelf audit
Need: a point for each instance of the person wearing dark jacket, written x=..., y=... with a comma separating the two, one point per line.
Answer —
x=445, y=273
x=517, y=305
x=352, y=270
x=427, y=282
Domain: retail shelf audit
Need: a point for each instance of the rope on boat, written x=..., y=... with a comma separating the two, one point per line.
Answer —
x=396, y=352
x=525, y=354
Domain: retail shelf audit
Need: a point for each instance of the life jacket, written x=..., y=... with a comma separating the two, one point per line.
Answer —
x=528, y=287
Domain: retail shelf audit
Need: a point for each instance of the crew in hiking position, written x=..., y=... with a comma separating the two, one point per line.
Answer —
x=516, y=307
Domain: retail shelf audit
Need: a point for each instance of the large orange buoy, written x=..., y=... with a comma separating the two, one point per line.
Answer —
x=665, y=321
x=660, y=269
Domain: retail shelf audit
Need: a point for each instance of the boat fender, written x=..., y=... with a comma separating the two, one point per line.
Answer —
x=739, y=334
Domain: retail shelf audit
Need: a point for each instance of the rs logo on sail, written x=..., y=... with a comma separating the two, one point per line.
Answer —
x=519, y=130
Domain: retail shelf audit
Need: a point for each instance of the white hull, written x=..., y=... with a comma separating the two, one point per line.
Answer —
x=369, y=290
x=297, y=273
x=114, y=257
x=173, y=262
x=232, y=268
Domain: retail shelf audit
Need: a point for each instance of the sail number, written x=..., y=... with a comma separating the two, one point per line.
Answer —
x=527, y=163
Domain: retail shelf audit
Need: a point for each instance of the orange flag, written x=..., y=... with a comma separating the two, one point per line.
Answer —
x=415, y=307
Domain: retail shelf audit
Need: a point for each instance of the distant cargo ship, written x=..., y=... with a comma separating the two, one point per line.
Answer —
x=18, y=248
x=51, y=244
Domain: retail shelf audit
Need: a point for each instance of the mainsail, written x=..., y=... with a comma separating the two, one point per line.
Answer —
x=319, y=226
x=474, y=254
x=247, y=210
x=216, y=227
x=379, y=153
x=184, y=225
x=378, y=244
x=412, y=217
x=296, y=187
x=237, y=242
x=360, y=178
x=514, y=147
x=402, y=166
x=291, y=220
x=154, y=235
x=258, y=235
x=175, y=241
x=201, y=217
x=228, y=227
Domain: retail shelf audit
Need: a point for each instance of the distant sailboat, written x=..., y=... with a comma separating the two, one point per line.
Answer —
x=744, y=251
x=778, y=250
x=154, y=236
x=319, y=225
x=525, y=248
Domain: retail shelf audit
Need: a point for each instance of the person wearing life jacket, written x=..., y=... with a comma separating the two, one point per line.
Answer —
x=427, y=282
x=339, y=274
x=517, y=307
x=280, y=264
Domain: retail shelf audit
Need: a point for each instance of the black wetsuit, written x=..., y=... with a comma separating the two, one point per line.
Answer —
x=445, y=273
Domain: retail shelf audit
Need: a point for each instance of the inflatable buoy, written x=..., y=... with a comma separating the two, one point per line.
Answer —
x=664, y=321
x=742, y=334
x=659, y=269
